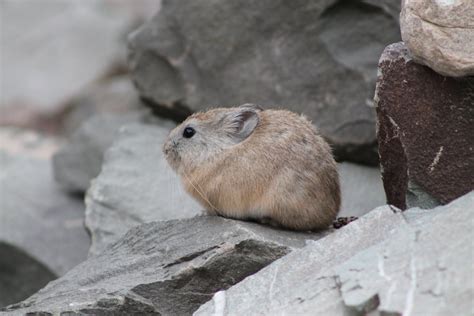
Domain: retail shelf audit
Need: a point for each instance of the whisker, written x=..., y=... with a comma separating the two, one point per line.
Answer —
x=200, y=193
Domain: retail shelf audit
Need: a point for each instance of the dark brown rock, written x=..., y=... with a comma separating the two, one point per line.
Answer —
x=425, y=131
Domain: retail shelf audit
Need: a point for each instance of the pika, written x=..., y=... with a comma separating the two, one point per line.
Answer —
x=270, y=166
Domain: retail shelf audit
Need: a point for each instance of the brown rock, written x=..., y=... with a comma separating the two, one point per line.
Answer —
x=425, y=131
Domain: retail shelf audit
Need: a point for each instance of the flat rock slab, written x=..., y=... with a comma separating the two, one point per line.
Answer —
x=415, y=263
x=425, y=269
x=425, y=134
x=41, y=228
x=165, y=268
x=317, y=58
x=135, y=186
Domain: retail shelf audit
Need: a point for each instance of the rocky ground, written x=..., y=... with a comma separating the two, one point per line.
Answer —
x=94, y=222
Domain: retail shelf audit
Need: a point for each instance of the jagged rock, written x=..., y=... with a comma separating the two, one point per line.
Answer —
x=353, y=272
x=421, y=270
x=302, y=282
x=135, y=186
x=42, y=231
x=165, y=268
x=440, y=34
x=314, y=57
x=361, y=189
x=80, y=160
x=426, y=140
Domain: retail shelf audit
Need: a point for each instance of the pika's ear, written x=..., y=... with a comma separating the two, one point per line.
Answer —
x=251, y=106
x=241, y=122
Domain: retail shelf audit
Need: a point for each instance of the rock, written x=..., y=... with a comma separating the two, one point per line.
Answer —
x=361, y=189
x=42, y=231
x=421, y=270
x=63, y=47
x=426, y=140
x=26, y=142
x=385, y=263
x=80, y=160
x=316, y=57
x=135, y=186
x=165, y=268
x=440, y=34
x=302, y=282
x=114, y=96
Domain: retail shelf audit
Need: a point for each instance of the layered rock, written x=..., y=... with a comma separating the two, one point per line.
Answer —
x=135, y=186
x=316, y=57
x=165, y=268
x=425, y=134
x=386, y=262
x=440, y=34
x=42, y=231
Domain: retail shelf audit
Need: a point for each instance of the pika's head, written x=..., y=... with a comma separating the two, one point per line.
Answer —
x=205, y=135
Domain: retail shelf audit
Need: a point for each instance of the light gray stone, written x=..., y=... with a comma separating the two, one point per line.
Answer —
x=440, y=34
x=165, y=268
x=412, y=263
x=361, y=189
x=42, y=232
x=80, y=159
x=314, y=57
x=423, y=270
x=135, y=186
x=302, y=282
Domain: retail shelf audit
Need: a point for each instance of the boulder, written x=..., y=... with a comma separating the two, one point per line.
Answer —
x=80, y=159
x=42, y=231
x=387, y=263
x=313, y=57
x=164, y=268
x=425, y=134
x=361, y=189
x=52, y=50
x=135, y=186
x=440, y=34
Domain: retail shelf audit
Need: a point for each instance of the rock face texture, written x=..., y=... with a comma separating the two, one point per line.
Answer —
x=135, y=186
x=165, y=268
x=313, y=57
x=425, y=134
x=80, y=160
x=440, y=34
x=409, y=263
x=42, y=231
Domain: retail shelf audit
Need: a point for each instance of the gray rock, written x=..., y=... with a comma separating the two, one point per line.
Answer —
x=361, y=189
x=423, y=270
x=135, y=186
x=440, y=34
x=302, y=282
x=314, y=57
x=165, y=268
x=80, y=160
x=385, y=263
x=42, y=231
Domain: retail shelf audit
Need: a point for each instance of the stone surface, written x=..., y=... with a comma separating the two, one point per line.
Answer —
x=165, y=268
x=26, y=142
x=302, y=282
x=52, y=50
x=361, y=189
x=425, y=134
x=314, y=57
x=80, y=159
x=423, y=270
x=440, y=34
x=135, y=186
x=41, y=229
x=384, y=263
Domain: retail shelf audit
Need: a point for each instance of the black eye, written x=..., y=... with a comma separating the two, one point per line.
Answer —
x=188, y=132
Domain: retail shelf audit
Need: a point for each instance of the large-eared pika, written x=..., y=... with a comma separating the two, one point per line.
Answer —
x=271, y=166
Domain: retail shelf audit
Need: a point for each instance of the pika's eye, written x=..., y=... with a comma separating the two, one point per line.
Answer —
x=188, y=132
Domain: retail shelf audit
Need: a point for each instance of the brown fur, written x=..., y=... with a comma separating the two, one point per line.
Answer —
x=283, y=173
